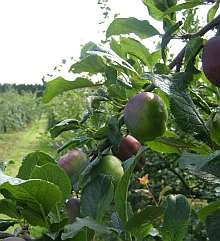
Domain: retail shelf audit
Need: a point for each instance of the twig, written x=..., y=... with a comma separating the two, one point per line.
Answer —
x=179, y=58
x=181, y=179
x=215, y=22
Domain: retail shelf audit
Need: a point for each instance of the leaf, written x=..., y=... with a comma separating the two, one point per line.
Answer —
x=115, y=61
x=96, y=197
x=117, y=48
x=137, y=49
x=92, y=64
x=114, y=134
x=29, y=193
x=65, y=125
x=73, y=229
x=182, y=107
x=5, y=224
x=207, y=210
x=54, y=174
x=167, y=37
x=192, y=48
x=75, y=142
x=187, y=5
x=146, y=216
x=212, y=11
x=121, y=193
x=153, y=10
x=176, y=218
x=59, y=85
x=143, y=29
x=8, y=207
x=207, y=167
x=212, y=226
x=31, y=160
x=165, y=145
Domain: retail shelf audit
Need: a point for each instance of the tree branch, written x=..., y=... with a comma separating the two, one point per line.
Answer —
x=215, y=22
x=179, y=58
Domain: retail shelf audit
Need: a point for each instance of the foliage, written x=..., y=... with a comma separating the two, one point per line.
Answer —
x=17, y=110
x=181, y=172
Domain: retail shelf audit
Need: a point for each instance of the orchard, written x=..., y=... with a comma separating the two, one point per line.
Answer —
x=143, y=160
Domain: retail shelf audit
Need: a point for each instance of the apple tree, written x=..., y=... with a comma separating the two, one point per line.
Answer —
x=148, y=167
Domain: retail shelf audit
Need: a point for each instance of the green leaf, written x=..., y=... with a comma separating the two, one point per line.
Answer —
x=37, y=195
x=33, y=159
x=114, y=134
x=8, y=207
x=167, y=37
x=143, y=29
x=54, y=174
x=65, y=125
x=115, y=61
x=187, y=5
x=137, y=49
x=92, y=64
x=153, y=10
x=117, y=48
x=90, y=46
x=207, y=167
x=207, y=210
x=75, y=142
x=60, y=85
x=96, y=197
x=212, y=226
x=5, y=224
x=121, y=193
x=192, y=49
x=166, y=144
x=73, y=229
x=182, y=107
x=176, y=218
x=146, y=216
x=212, y=11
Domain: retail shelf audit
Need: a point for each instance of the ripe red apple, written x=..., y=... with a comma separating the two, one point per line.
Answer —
x=73, y=162
x=145, y=116
x=211, y=60
x=72, y=209
x=128, y=147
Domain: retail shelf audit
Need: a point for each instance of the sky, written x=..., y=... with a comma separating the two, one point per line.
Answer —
x=37, y=34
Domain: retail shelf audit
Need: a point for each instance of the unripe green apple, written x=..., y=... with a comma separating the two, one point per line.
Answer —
x=109, y=165
x=73, y=162
x=211, y=60
x=145, y=116
x=127, y=148
x=13, y=239
x=72, y=209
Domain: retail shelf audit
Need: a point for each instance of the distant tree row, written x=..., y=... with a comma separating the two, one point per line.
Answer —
x=20, y=88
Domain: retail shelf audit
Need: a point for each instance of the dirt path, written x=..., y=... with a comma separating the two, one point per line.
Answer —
x=14, y=146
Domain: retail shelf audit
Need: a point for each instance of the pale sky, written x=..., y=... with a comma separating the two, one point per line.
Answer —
x=35, y=35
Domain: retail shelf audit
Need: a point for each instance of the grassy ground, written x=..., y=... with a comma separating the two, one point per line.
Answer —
x=14, y=146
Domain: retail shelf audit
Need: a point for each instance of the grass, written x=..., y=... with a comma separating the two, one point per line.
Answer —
x=14, y=146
